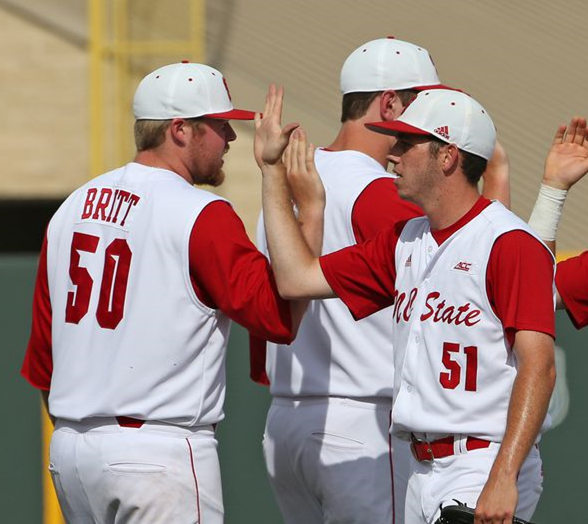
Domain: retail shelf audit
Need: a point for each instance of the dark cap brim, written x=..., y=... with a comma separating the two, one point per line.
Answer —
x=233, y=114
x=395, y=127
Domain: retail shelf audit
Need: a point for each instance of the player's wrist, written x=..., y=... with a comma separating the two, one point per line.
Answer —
x=273, y=168
x=555, y=183
x=547, y=211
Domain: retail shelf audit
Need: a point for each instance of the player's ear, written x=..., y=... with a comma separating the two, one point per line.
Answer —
x=179, y=131
x=449, y=158
x=391, y=106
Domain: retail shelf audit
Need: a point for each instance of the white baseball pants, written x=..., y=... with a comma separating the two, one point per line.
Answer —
x=463, y=477
x=329, y=461
x=156, y=473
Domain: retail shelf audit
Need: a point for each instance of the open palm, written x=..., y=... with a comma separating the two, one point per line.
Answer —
x=567, y=160
x=270, y=138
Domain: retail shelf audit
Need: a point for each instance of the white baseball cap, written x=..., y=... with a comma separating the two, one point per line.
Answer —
x=452, y=116
x=387, y=63
x=185, y=90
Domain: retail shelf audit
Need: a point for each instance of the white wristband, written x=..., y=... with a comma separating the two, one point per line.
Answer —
x=547, y=211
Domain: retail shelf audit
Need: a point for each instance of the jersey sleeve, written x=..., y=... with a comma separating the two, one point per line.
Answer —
x=521, y=293
x=37, y=367
x=363, y=275
x=379, y=207
x=230, y=274
x=571, y=280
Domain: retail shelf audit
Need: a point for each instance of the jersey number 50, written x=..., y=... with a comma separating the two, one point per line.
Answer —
x=113, y=289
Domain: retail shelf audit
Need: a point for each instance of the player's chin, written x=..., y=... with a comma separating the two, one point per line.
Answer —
x=213, y=179
x=219, y=178
x=216, y=179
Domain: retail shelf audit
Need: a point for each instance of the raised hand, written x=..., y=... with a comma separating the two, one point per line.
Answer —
x=305, y=184
x=567, y=160
x=270, y=138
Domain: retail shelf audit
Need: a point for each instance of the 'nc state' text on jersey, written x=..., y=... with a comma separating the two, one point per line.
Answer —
x=437, y=309
x=109, y=205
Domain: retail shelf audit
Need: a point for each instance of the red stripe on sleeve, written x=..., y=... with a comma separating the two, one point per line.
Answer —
x=37, y=367
x=572, y=284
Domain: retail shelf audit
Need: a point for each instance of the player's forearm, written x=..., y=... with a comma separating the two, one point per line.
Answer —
x=496, y=178
x=292, y=259
x=311, y=226
x=528, y=406
x=528, y=403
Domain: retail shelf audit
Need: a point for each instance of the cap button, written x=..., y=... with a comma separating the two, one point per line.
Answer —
x=185, y=61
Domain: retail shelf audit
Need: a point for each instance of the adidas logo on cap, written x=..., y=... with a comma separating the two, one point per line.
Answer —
x=443, y=131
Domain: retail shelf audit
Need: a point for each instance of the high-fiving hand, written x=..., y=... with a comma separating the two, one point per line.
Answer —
x=305, y=184
x=271, y=138
x=567, y=160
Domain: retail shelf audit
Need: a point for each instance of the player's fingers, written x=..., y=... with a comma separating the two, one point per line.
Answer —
x=272, y=103
x=571, y=131
x=268, y=95
x=301, y=151
x=310, y=149
x=580, y=131
x=279, y=100
x=289, y=128
x=286, y=158
x=293, y=145
x=559, y=134
x=257, y=120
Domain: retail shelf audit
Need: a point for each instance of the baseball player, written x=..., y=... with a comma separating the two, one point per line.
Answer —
x=139, y=277
x=327, y=446
x=571, y=278
x=472, y=294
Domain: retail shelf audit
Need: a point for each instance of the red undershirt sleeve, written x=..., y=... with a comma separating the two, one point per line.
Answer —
x=37, y=367
x=379, y=207
x=230, y=274
x=521, y=294
x=572, y=284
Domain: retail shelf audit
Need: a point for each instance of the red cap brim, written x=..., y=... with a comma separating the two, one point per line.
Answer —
x=233, y=114
x=394, y=127
x=434, y=86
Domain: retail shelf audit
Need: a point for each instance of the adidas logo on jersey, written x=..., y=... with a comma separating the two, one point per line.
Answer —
x=408, y=262
x=443, y=131
x=463, y=266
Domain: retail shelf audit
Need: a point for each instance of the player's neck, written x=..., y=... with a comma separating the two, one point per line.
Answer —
x=449, y=205
x=157, y=158
x=354, y=136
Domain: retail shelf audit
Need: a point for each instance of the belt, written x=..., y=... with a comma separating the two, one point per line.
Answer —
x=424, y=450
x=129, y=422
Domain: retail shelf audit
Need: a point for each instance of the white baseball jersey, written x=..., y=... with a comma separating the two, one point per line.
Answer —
x=454, y=367
x=129, y=335
x=333, y=355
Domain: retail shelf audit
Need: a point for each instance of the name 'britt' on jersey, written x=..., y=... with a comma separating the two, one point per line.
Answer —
x=109, y=205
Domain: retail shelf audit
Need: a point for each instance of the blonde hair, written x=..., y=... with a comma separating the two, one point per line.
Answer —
x=150, y=134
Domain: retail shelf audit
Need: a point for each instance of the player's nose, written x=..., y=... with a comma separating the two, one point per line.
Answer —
x=230, y=134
